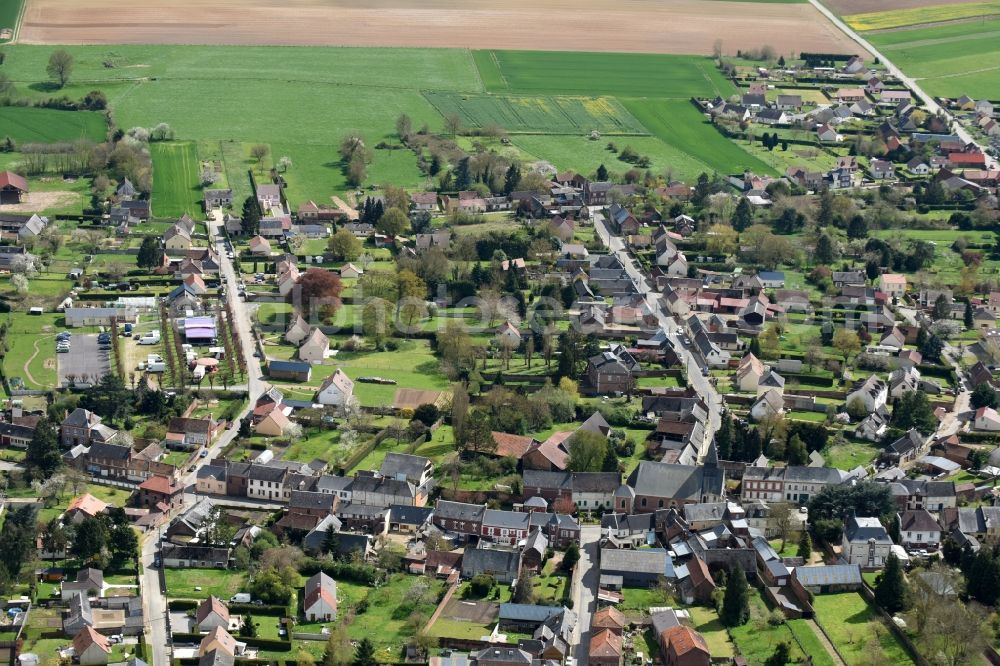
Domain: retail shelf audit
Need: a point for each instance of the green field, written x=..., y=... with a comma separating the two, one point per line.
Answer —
x=679, y=124
x=10, y=11
x=899, y=18
x=32, y=125
x=176, y=179
x=948, y=60
x=302, y=102
x=626, y=74
x=543, y=114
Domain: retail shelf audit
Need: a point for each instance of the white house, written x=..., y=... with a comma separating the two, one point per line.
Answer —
x=749, y=373
x=873, y=394
x=770, y=403
x=892, y=284
x=865, y=543
x=336, y=390
x=918, y=529
x=91, y=647
x=508, y=336
x=315, y=347
x=212, y=613
x=678, y=266
x=319, y=603
x=351, y=271
x=987, y=419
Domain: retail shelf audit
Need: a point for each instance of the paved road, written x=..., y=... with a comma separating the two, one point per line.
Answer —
x=585, y=581
x=154, y=600
x=154, y=604
x=693, y=366
x=910, y=83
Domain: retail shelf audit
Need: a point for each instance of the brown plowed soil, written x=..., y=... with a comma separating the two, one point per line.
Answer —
x=655, y=26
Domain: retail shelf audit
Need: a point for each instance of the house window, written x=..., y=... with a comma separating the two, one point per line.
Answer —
x=643, y=502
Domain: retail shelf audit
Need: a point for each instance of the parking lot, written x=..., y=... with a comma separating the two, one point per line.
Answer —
x=84, y=362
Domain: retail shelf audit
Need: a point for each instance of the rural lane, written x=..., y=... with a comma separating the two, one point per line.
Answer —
x=692, y=366
x=153, y=593
x=909, y=82
x=585, y=580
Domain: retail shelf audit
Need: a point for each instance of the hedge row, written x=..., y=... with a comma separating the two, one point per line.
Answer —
x=263, y=643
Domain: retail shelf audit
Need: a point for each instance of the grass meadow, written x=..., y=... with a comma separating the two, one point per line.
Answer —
x=624, y=74
x=679, y=124
x=220, y=100
x=31, y=125
x=949, y=60
x=543, y=114
x=176, y=179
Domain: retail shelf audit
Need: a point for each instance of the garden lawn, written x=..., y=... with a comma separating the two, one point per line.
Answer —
x=221, y=583
x=320, y=444
x=27, y=124
x=176, y=179
x=850, y=455
x=850, y=622
x=642, y=599
x=810, y=643
x=757, y=639
x=389, y=608
x=707, y=623
x=552, y=585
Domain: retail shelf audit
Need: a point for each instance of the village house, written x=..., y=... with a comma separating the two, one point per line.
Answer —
x=336, y=390
x=315, y=347
x=319, y=603
x=865, y=542
x=211, y=613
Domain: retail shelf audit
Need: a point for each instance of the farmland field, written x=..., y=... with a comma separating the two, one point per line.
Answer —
x=681, y=125
x=176, y=181
x=688, y=26
x=301, y=102
x=899, y=18
x=9, y=12
x=631, y=74
x=32, y=125
x=847, y=7
x=542, y=114
x=948, y=60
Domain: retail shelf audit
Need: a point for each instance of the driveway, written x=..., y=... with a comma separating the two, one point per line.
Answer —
x=85, y=362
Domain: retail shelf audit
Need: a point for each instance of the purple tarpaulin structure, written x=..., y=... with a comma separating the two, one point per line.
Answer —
x=199, y=329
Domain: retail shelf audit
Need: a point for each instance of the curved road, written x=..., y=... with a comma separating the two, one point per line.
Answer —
x=909, y=82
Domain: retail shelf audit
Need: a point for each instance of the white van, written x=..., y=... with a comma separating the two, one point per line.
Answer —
x=150, y=338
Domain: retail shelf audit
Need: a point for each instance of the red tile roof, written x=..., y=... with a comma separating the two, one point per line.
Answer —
x=684, y=639
x=11, y=179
